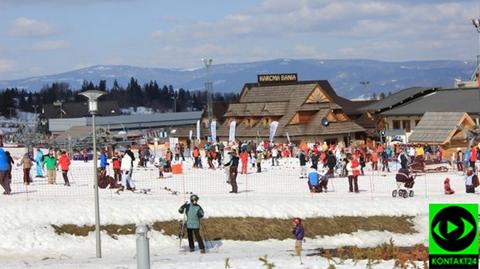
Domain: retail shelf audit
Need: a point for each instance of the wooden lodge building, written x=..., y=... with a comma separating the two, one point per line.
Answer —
x=299, y=107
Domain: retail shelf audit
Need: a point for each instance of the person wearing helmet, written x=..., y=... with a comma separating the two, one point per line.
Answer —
x=194, y=213
x=299, y=233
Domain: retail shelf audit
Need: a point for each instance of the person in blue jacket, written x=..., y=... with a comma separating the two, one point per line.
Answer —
x=39, y=163
x=5, y=172
x=103, y=162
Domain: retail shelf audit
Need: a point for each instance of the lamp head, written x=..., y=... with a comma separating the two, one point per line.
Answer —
x=92, y=96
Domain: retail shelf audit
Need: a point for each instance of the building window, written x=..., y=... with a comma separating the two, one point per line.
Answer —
x=406, y=125
x=396, y=125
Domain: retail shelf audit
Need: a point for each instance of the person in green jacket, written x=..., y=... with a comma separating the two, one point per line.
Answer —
x=194, y=213
x=51, y=165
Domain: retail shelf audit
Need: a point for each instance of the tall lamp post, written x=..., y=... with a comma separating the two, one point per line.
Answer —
x=93, y=96
x=209, y=89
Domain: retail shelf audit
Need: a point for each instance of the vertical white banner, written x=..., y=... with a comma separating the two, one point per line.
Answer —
x=231, y=133
x=213, y=130
x=288, y=137
x=190, y=134
x=198, y=130
x=273, y=130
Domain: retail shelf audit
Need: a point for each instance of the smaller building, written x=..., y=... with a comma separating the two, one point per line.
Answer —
x=446, y=129
x=401, y=112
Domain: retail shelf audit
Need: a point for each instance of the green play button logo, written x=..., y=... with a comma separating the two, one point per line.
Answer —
x=453, y=236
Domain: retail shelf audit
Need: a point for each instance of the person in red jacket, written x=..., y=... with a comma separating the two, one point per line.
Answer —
x=64, y=163
x=244, y=159
x=374, y=160
x=473, y=157
x=117, y=163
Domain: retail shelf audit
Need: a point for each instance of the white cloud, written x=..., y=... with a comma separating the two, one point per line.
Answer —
x=7, y=65
x=51, y=45
x=30, y=28
x=368, y=29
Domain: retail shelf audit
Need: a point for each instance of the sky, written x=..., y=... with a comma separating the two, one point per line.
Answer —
x=41, y=37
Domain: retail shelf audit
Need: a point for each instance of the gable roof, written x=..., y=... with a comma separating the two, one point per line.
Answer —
x=439, y=127
x=398, y=98
x=284, y=101
x=453, y=100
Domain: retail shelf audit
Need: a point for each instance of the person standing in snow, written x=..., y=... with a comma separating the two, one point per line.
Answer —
x=51, y=165
x=233, y=171
x=244, y=158
x=126, y=168
x=4, y=168
x=194, y=214
x=26, y=164
x=299, y=234
x=471, y=181
x=64, y=163
x=303, y=162
x=103, y=163
x=353, y=168
x=39, y=163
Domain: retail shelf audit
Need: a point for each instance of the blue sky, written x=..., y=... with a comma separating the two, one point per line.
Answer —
x=39, y=37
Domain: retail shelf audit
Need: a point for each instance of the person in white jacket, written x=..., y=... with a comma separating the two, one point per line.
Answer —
x=126, y=168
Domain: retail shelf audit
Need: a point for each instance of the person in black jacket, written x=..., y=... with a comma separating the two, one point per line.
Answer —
x=233, y=163
x=331, y=163
x=314, y=160
x=303, y=163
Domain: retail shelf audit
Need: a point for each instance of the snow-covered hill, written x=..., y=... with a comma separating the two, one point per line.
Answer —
x=344, y=75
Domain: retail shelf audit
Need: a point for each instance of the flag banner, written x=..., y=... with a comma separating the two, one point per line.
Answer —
x=231, y=133
x=198, y=130
x=288, y=138
x=190, y=134
x=213, y=130
x=273, y=130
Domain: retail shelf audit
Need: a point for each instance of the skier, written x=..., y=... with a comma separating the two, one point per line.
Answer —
x=4, y=168
x=64, y=162
x=299, y=233
x=194, y=213
x=258, y=160
x=39, y=163
x=116, y=161
x=385, y=162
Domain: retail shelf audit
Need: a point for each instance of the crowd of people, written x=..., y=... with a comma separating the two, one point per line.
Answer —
x=324, y=160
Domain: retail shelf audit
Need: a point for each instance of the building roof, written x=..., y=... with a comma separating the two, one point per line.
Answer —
x=79, y=109
x=398, y=98
x=453, y=100
x=439, y=127
x=129, y=122
x=282, y=102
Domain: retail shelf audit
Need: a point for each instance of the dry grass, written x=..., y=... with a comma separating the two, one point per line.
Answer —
x=404, y=257
x=258, y=229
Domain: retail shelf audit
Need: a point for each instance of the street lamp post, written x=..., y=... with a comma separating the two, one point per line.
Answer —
x=209, y=90
x=93, y=96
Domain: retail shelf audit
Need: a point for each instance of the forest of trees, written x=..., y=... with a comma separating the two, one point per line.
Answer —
x=148, y=95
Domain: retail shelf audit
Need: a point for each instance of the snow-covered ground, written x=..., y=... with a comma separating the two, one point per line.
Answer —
x=27, y=239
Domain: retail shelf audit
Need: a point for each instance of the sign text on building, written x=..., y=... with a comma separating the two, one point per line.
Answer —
x=272, y=78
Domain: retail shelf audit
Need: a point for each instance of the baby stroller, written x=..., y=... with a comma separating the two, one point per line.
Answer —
x=405, y=183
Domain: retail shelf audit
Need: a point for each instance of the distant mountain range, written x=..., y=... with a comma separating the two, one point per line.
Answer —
x=344, y=75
